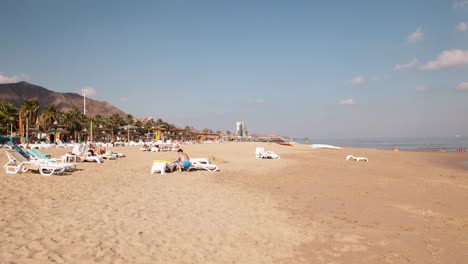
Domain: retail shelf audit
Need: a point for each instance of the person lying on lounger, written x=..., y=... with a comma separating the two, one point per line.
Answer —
x=183, y=161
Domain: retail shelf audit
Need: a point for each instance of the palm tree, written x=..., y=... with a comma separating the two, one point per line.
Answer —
x=149, y=124
x=129, y=119
x=29, y=109
x=8, y=114
x=74, y=120
x=159, y=122
x=113, y=122
x=98, y=120
x=48, y=116
x=34, y=111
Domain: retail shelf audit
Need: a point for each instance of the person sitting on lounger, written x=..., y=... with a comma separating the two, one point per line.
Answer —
x=183, y=161
x=95, y=150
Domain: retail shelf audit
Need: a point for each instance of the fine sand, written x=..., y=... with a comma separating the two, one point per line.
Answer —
x=310, y=206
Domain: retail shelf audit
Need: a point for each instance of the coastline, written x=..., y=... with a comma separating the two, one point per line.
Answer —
x=310, y=206
x=425, y=144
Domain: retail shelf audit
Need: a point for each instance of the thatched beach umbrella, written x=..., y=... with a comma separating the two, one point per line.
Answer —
x=157, y=131
x=128, y=127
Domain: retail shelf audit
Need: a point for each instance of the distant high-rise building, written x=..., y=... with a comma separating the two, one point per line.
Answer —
x=240, y=129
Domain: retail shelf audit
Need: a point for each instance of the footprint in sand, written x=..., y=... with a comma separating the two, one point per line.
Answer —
x=416, y=211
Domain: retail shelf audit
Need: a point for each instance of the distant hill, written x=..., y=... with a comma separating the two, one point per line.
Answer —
x=15, y=93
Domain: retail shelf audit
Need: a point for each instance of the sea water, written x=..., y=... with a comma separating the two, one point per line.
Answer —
x=443, y=144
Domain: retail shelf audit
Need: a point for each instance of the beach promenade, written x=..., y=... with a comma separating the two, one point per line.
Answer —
x=310, y=206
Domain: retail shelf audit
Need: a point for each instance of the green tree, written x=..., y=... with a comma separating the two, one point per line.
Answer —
x=8, y=114
x=29, y=109
x=129, y=119
x=74, y=120
x=48, y=117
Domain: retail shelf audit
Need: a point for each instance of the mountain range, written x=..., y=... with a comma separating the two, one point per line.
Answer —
x=16, y=93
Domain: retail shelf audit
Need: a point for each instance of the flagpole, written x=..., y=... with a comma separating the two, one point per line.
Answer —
x=84, y=100
x=20, y=125
x=27, y=130
x=91, y=131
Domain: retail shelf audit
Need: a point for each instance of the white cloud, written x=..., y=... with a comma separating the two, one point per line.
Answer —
x=460, y=3
x=90, y=91
x=416, y=36
x=349, y=101
x=447, y=59
x=462, y=86
x=421, y=89
x=406, y=67
x=462, y=26
x=357, y=80
x=8, y=79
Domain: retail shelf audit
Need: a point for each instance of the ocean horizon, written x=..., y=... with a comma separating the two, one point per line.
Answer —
x=443, y=144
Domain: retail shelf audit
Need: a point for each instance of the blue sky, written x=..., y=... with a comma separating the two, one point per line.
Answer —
x=319, y=69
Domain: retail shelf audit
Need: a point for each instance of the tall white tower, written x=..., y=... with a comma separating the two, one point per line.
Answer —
x=240, y=129
x=84, y=90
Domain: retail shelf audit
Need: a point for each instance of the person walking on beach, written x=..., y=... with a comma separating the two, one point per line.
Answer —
x=183, y=161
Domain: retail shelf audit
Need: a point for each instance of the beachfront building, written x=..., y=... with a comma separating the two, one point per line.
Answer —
x=241, y=130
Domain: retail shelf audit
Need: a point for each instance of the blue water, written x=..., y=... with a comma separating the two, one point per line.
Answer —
x=444, y=144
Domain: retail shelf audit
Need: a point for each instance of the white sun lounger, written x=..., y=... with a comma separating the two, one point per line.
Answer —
x=351, y=157
x=81, y=150
x=16, y=164
x=262, y=154
x=197, y=165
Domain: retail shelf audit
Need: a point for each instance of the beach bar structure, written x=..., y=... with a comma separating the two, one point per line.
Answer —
x=58, y=131
x=209, y=136
x=130, y=131
x=101, y=134
x=176, y=133
x=158, y=131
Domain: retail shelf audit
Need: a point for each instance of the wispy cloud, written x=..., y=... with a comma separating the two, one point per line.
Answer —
x=421, y=89
x=416, y=36
x=358, y=80
x=13, y=79
x=349, y=101
x=90, y=91
x=462, y=87
x=8, y=79
x=460, y=3
x=406, y=67
x=448, y=59
x=462, y=26
x=255, y=101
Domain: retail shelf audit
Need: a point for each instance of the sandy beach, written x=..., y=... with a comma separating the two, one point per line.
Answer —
x=310, y=206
